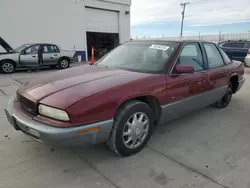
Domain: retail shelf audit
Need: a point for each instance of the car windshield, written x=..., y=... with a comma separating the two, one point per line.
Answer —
x=21, y=48
x=150, y=57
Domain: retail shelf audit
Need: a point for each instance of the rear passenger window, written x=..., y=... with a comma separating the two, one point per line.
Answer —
x=56, y=50
x=227, y=60
x=213, y=56
x=191, y=55
x=50, y=49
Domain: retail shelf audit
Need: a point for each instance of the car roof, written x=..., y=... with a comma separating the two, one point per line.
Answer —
x=40, y=44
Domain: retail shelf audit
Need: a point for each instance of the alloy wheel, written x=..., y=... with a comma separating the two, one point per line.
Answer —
x=64, y=64
x=136, y=130
x=7, y=67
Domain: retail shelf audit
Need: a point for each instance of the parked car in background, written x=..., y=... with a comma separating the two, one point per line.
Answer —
x=125, y=95
x=236, y=50
x=247, y=59
x=26, y=56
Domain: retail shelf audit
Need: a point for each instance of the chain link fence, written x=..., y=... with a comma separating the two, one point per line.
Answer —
x=211, y=38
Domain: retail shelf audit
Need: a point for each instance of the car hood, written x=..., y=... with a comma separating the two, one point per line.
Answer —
x=75, y=83
x=6, y=46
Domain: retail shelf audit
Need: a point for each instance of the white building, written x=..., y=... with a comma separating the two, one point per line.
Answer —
x=72, y=24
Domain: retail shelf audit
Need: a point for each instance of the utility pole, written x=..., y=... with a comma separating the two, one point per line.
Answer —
x=183, y=15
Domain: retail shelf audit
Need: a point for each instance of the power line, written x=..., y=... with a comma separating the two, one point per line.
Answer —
x=183, y=15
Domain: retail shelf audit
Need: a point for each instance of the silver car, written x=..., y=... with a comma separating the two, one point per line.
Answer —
x=26, y=56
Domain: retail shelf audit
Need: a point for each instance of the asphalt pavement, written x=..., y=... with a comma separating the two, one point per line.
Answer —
x=209, y=148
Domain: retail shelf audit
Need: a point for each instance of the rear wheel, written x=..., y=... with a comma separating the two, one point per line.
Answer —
x=8, y=67
x=63, y=63
x=132, y=128
x=226, y=99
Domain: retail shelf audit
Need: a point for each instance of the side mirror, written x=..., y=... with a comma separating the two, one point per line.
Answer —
x=23, y=52
x=184, y=69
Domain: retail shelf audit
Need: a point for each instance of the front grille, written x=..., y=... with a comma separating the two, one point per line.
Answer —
x=27, y=104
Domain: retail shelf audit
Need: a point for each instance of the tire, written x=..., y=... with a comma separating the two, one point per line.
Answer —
x=226, y=99
x=125, y=128
x=8, y=67
x=64, y=63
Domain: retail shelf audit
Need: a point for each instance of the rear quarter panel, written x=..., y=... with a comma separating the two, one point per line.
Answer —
x=236, y=68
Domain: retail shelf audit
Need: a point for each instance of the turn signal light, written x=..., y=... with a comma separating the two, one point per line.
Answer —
x=92, y=129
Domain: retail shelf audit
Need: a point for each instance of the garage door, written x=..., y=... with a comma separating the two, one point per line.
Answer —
x=102, y=21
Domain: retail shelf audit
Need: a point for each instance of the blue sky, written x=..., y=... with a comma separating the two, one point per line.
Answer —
x=155, y=18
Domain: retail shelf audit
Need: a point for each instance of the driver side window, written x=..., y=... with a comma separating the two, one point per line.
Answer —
x=32, y=50
x=191, y=55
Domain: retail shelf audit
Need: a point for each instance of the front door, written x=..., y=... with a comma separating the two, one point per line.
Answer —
x=50, y=55
x=185, y=91
x=29, y=57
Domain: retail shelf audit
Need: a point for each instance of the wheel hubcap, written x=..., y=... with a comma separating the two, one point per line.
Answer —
x=64, y=63
x=7, y=67
x=135, y=130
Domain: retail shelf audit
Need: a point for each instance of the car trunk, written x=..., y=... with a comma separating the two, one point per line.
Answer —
x=6, y=46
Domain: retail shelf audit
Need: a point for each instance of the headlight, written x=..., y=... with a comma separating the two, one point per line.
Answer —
x=53, y=113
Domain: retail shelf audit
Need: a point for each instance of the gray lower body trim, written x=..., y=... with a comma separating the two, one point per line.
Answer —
x=185, y=106
x=58, y=136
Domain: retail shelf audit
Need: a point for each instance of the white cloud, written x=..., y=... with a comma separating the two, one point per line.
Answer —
x=198, y=12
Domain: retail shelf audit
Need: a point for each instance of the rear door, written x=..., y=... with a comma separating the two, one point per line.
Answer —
x=29, y=57
x=51, y=54
x=217, y=73
x=184, y=91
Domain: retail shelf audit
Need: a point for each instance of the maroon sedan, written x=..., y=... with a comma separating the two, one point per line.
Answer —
x=125, y=95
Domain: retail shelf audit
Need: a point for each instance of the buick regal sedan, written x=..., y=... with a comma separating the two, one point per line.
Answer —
x=125, y=95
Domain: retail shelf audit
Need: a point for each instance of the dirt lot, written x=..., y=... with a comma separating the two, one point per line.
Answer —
x=209, y=148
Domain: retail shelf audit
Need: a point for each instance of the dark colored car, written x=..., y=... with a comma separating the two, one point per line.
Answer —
x=125, y=95
x=236, y=50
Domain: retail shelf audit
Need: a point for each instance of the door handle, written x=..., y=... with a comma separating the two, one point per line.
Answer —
x=34, y=56
x=55, y=55
x=51, y=57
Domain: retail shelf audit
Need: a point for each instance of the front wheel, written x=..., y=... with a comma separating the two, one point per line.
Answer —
x=132, y=128
x=226, y=99
x=8, y=67
x=63, y=63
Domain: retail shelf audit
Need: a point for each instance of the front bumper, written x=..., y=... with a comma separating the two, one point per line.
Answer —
x=54, y=136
